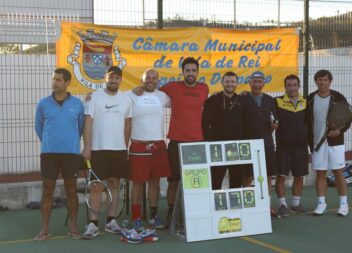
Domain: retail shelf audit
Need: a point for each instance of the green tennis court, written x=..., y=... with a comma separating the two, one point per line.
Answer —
x=297, y=233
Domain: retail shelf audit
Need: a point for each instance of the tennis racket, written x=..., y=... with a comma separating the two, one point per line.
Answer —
x=106, y=198
x=121, y=207
x=338, y=117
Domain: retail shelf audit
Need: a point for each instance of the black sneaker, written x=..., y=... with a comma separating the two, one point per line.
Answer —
x=274, y=214
x=298, y=209
x=283, y=211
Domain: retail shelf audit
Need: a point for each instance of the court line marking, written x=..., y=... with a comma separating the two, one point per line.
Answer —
x=265, y=245
x=273, y=247
x=248, y=239
x=31, y=240
x=327, y=211
x=245, y=238
x=59, y=237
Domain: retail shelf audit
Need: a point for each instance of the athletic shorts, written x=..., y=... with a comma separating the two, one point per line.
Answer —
x=110, y=163
x=329, y=157
x=235, y=176
x=292, y=159
x=270, y=162
x=174, y=160
x=51, y=165
x=148, y=161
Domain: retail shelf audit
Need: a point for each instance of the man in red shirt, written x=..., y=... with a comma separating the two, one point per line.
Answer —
x=187, y=99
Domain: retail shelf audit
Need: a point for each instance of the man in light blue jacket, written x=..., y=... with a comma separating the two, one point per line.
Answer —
x=59, y=124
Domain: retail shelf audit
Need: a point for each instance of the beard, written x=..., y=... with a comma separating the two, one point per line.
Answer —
x=190, y=80
x=229, y=90
x=111, y=88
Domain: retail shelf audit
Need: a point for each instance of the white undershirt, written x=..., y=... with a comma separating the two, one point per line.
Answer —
x=320, y=109
x=148, y=115
x=108, y=113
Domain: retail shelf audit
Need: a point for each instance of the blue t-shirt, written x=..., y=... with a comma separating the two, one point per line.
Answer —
x=59, y=127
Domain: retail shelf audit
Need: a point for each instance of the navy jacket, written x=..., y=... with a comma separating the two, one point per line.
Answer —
x=258, y=119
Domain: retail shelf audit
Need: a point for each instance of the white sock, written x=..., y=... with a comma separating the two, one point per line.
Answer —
x=283, y=201
x=321, y=200
x=295, y=200
x=343, y=200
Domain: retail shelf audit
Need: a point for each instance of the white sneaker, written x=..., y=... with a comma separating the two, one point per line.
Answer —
x=112, y=227
x=90, y=231
x=343, y=210
x=320, y=209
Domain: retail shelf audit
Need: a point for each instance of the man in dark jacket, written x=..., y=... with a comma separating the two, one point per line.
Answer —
x=331, y=155
x=291, y=144
x=260, y=122
x=223, y=119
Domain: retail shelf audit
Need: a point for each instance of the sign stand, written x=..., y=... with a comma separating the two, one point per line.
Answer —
x=201, y=213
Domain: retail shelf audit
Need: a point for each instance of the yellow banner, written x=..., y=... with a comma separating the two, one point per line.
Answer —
x=87, y=50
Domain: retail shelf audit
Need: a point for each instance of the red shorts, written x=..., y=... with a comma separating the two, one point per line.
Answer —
x=148, y=161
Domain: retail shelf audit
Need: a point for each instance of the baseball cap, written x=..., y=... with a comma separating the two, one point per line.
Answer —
x=114, y=69
x=258, y=74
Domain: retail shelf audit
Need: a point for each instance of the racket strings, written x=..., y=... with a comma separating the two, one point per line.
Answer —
x=105, y=202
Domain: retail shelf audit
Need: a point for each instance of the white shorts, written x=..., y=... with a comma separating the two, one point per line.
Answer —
x=329, y=157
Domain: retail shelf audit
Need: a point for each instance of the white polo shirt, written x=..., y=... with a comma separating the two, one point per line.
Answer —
x=148, y=115
x=109, y=113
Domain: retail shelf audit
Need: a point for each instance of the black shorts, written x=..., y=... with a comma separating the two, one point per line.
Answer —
x=174, y=159
x=52, y=164
x=110, y=163
x=294, y=159
x=235, y=176
x=270, y=162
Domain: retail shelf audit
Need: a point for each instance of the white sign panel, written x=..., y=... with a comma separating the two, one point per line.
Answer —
x=213, y=214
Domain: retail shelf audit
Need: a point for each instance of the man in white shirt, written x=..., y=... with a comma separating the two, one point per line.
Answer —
x=106, y=134
x=148, y=153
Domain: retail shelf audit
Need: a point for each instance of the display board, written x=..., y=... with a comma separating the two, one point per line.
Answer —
x=212, y=214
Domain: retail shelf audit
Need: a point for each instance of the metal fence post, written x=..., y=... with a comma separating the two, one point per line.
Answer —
x=160, y=14
x=306, y=48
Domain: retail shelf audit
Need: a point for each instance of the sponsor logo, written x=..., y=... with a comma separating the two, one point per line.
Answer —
x=109, y=107
x=228, y=225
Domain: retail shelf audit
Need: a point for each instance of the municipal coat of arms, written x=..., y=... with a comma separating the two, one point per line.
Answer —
x=98, y=50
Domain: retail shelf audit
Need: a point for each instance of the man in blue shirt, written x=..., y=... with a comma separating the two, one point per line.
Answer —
x=59, y=123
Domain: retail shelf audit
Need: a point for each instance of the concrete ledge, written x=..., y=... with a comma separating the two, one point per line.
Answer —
x=18, y=195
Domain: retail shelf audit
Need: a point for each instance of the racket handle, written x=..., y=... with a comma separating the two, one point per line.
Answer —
x=89, y=165
x=320, y=143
